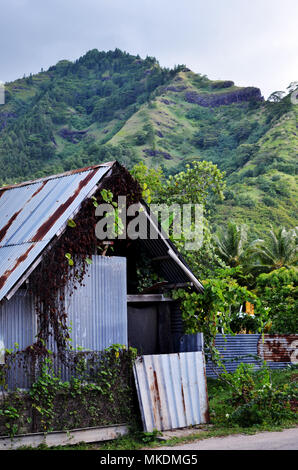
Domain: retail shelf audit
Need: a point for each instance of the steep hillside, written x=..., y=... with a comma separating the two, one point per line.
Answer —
x=117, y=106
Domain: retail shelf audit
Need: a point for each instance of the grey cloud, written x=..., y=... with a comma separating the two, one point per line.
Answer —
x=252, y=43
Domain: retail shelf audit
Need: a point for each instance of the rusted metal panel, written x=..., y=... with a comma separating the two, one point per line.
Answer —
x=279, y=348
x=172, y=390
x=14, y=261
x=32, y=213
x=278, y=351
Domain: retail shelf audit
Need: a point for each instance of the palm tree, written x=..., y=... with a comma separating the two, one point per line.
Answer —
x=280, y=250
x=230, y=244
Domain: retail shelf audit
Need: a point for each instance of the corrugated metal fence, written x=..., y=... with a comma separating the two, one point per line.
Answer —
x=277, y=350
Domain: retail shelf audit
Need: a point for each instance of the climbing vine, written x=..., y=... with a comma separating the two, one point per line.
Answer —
x=66, y=262
x=94, y=379
x=99, y=391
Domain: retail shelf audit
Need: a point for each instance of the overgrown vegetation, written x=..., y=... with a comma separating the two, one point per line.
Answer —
x=115, y=106
x=97, y=391
x=245, y=402
x=204, y=142
x=233, y=269
x=247, y=398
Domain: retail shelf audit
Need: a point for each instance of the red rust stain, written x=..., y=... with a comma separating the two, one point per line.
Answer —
x=4, y=230
x=276, y=348
x=86, y=168
x=39, y=189
x=156, y=399
x=46, y=226
x=156, y=389
x=8, y=272
x=183, y=399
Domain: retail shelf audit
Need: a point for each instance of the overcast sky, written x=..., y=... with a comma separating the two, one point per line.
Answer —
x=252, y=42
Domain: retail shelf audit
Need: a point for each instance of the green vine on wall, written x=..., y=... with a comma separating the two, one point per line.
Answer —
x=99, y=392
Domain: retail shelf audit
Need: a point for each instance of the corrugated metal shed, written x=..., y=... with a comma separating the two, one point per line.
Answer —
x=172, y=390
x=32, y=213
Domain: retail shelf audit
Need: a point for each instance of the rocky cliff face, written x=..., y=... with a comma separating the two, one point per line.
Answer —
x=226, y=98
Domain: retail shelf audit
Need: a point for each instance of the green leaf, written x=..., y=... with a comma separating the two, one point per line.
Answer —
x=94, y=200
x=71, y=223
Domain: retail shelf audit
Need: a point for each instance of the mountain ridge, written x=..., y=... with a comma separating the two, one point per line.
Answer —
x=115, y=106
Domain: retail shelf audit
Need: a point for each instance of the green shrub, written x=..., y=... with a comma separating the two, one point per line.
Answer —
x=279, y=293
x=253, y=399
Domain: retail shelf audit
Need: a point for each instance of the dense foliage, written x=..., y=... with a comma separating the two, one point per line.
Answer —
x=229, y=266
x=279, y=293
x=249, y=398
x=115, y=106
x=98, y=391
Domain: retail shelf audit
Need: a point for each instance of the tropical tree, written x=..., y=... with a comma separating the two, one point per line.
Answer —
x=278, y=292
x=194, y=185
x=150, y=179
x=279, y=250
x=230, y=244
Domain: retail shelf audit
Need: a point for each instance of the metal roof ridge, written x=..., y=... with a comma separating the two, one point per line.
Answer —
x=58, y=175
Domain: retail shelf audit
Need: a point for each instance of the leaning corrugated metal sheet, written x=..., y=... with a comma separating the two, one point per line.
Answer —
x=32, y=213
x=172, y=390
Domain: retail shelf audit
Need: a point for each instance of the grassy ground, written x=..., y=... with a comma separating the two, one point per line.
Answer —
x=221, y=408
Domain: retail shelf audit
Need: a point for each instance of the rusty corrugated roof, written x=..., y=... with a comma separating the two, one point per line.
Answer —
x=32, y=213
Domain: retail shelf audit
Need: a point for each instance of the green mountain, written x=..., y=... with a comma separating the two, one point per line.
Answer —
x=112, y=105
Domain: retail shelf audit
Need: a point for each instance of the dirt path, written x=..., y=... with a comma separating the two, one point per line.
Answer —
x=283, y=440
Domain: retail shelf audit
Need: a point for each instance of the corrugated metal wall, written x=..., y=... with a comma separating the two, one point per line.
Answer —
x=18, y=321
x=172, y=390
x=17, y=331
x=252, y=349
x=97, y=311
x=97, y=315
